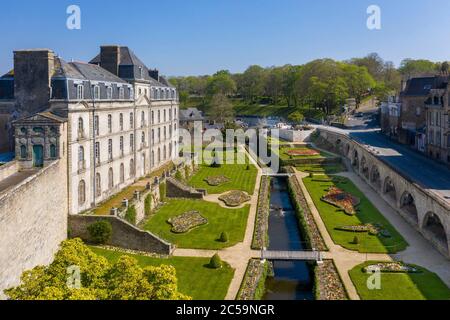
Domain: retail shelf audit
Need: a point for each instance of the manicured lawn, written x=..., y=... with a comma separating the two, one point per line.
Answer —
x=333, y=218
x=232, y=221
x=415, y=286
x=240, y=178
x=324, y=168
x=194, y=278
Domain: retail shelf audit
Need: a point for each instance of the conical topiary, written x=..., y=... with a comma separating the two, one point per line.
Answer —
x=215, y=262
x=224, y=237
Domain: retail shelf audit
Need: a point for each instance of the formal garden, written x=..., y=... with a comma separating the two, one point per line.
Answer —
x=202, y=224
x=351, y=219
x=399, y=281
x=196, y=278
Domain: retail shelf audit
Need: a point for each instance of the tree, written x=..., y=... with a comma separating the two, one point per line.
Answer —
x=221, y=83
x=373, y=63
x=100, y=232
x=296, y=117
x=221, y=109
x=274, y=84
x=252, y=82
x=100, y=280
x=358, y=81
x=410, y=67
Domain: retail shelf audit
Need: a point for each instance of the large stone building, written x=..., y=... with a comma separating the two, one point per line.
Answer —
x=122, y=119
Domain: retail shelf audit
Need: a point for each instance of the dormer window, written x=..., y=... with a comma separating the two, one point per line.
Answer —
x=109, y=93
x=80, y=92
x=96, y=92
x=121, y=93
x=141, y=73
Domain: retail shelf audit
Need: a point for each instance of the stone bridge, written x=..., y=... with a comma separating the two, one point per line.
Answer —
x=425, y=210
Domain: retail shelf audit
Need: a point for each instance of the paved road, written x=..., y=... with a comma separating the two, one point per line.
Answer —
x=426, y=172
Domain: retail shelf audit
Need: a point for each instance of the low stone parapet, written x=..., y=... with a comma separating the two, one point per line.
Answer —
x=177, y=189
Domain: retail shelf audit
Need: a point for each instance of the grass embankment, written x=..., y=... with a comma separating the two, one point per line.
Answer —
x=333, y=218
x=232, y=221
x=401, y=286
x=195, y=279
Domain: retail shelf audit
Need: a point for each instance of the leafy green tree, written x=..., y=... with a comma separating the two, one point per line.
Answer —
x=410, y=67
x=221, y=110
x=252, y=82
x=221, y=83
x=274, y=84
x=358, y=80
x=100, y=232
x=296, y=117
x=100, y=280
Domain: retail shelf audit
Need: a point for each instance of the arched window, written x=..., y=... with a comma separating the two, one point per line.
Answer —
x=165, y=133
x=109, y=93
x=143, y=137
x=159, y=135
x=132, y=168
x=170, y=150
x=165, y=115
x=81, y=192
x=159, y=116
x=165, y=153
x=52, y=151
x=122, y=173
x=110, y=178
x=121, y=121
x=23, y=151
x=142, y=119
x=132, y=142
x=159, y=155
x=80, y=128
x=153, y=117
x=131, y=121
x=153, y=136
x=96, y=92
x=153, y=158
x=98, y=185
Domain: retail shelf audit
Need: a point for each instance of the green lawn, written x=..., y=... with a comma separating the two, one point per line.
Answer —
x=285, y=156
x=416, y=286
x=333, y=217
x=233, y=221
x=194, y=278
x=322, y=168
x=240, y=177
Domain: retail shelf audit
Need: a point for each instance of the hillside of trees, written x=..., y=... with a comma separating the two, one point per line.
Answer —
x=316, y=89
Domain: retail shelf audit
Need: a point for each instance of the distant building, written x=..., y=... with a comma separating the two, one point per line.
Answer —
x=189, y=116
x=390, y=115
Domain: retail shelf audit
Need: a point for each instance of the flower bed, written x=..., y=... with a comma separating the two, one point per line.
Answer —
x=252, y=287
x=342, y=199
x=235, y=198
x=262, y=215
x=371, y=228
x=216, y=181
x=391, y=267
x=328, y=283
x=187, y=221
x=302, y=152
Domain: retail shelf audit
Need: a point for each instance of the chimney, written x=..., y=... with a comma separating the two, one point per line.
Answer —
x=154, y=74
x=33, y=70
x=110, y=58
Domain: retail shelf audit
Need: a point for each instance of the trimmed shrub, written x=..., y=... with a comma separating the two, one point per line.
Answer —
x=162, y=191
x=100, y=232
x=148, y=204
x=355, y=240
x=215, y=262
x=247, y=167
x=130, y=215
x=224, y=237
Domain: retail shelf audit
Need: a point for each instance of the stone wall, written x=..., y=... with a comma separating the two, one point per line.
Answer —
x=8, y=169
x=125, y=235
x=176, y=189
x=295, y=135
x=33, y=222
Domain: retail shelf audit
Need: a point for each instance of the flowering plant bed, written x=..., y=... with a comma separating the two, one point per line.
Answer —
x=235, y=198
x=187, y=221
x=342, y=200
x=372, y=229
x=392, y=267
x=302, y=152
x=216, y=181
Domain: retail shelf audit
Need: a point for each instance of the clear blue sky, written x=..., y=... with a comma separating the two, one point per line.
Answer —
x=182, y=37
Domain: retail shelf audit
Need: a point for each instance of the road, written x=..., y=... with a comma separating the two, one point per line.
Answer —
x=426, y=172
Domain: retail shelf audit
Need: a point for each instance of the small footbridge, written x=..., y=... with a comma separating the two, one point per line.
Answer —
x=292, y=255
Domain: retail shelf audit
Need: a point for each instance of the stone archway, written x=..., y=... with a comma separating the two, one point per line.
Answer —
x=365, y=168
x=355, y=160
x=432, y=225
x=389, y=189
x=375, y=177
x=347, y=149
x=408, y=205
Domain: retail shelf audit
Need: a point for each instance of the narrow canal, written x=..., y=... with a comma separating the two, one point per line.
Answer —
x=292, y=280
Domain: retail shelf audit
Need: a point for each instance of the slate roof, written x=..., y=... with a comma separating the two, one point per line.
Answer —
x=191, y=114
x=421, y=86
x=8, y=75
x=84, y=71
x=129, y=58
